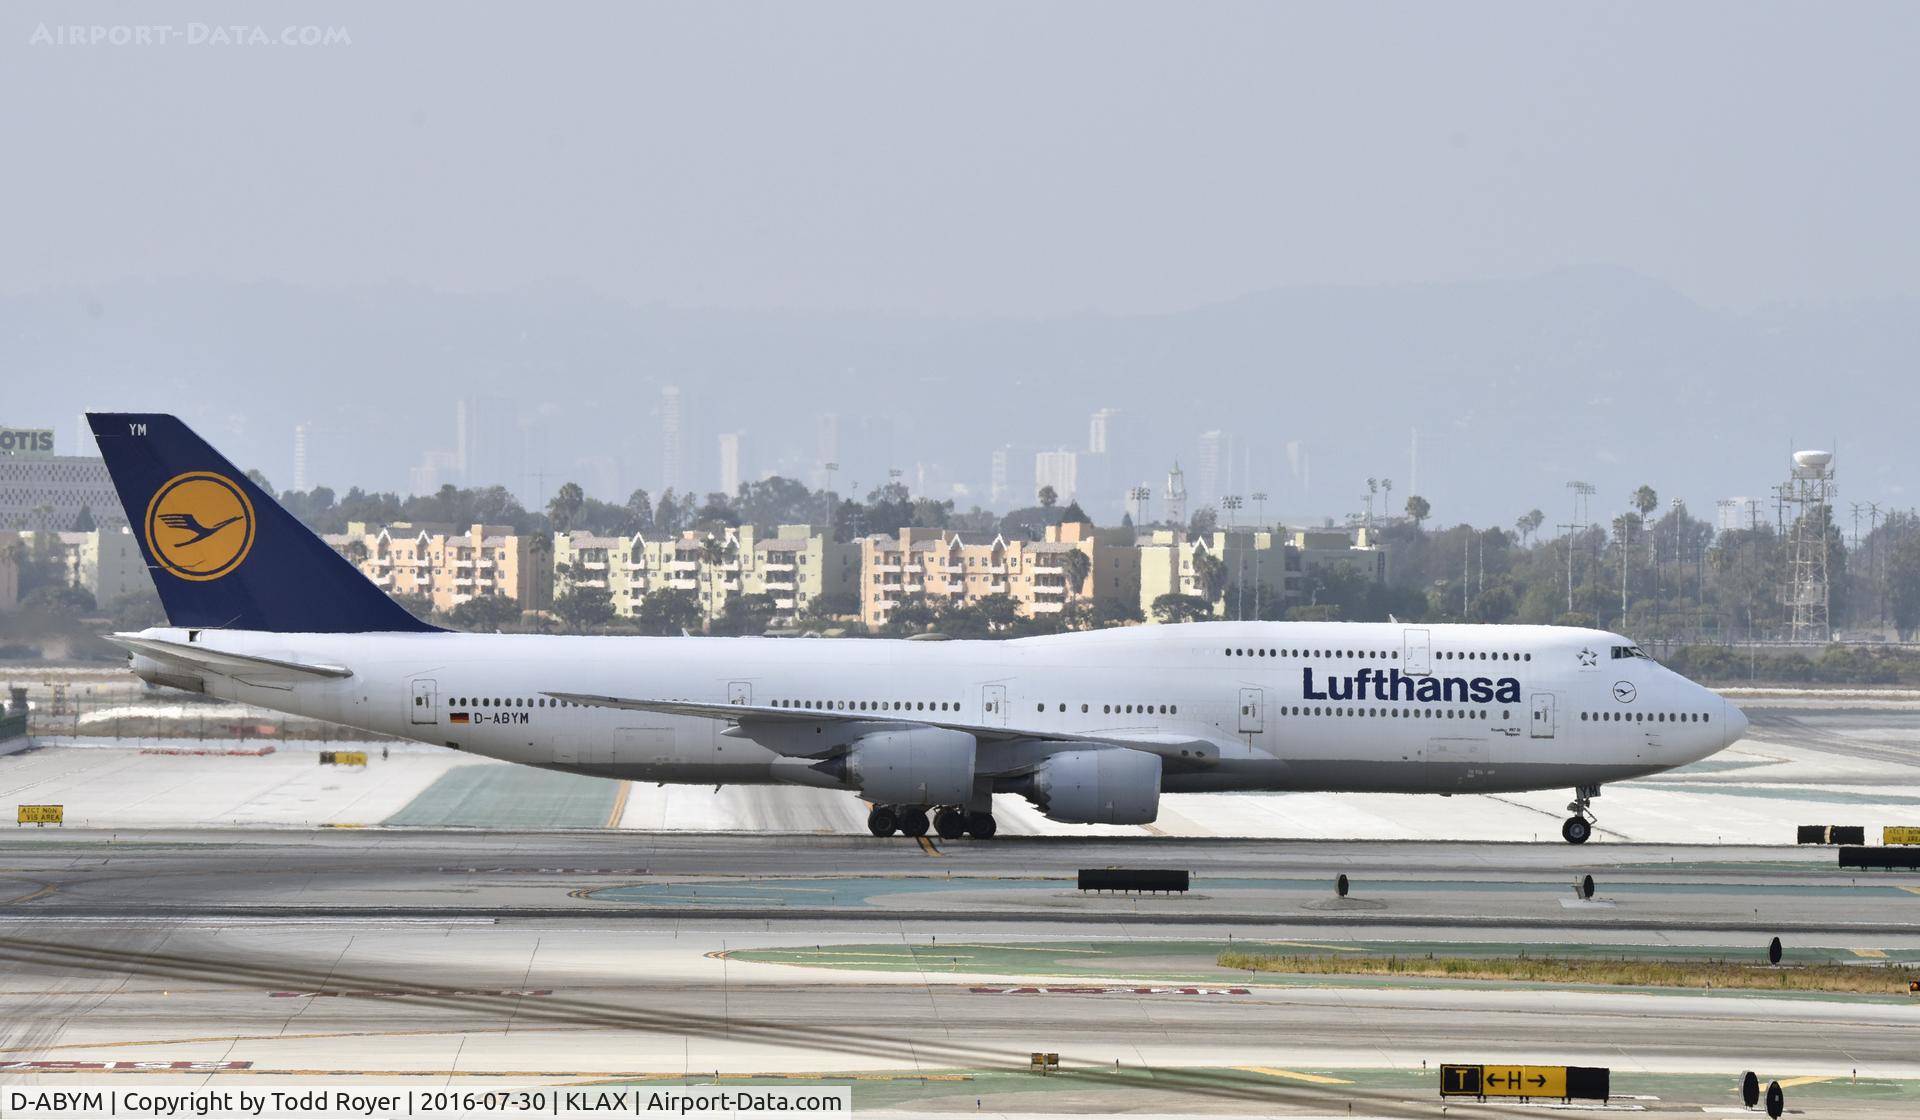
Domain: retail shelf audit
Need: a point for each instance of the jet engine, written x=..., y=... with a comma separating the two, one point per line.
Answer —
x=1110, y=786
x=916, y=766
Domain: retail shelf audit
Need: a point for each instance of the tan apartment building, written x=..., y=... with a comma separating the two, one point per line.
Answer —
x=942, y=568
x=107, y=562
x=793, y=567
x=1260, y=564
x=448, y=565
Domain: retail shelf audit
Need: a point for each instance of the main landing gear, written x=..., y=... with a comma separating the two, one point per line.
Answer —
x=949, y=822
x=1579, y=827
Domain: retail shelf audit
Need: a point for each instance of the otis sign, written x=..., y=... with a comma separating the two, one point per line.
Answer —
x=1371, y=684
x=26, y=441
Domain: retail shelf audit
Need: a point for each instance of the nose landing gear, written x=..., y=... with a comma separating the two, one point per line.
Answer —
x=1579, y=827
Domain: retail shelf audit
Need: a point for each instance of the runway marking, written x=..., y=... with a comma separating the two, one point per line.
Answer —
x=1314, y=945
x=1792, y=1081
x=1876, y=954
x=1911, y=890
x=619, y=805
x=926, y=846
x=45, y=890
x=1030, y=948
x=1310, y=1078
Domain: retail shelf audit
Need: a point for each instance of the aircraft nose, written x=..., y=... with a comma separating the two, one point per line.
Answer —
x=1734, y=720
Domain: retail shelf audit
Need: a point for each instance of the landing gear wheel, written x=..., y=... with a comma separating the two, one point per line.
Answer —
x=1580, y=826
x=913, y=822
x=980, y=826
x=882, y=821
x=951, y=824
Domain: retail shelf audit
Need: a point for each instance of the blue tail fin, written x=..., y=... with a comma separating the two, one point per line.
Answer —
x=222, y=552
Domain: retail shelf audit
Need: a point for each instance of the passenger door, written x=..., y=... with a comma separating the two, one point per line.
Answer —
x=1541, y=725
x=739, y=692
x=1251, y=720
x=1417, y=658
x=993, y=705
x=426, y=707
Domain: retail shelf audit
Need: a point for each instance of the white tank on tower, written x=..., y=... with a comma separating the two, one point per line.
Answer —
x=1811, y=464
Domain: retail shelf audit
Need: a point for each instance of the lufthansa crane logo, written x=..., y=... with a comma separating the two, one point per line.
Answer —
x=199, y=525
x=1624, y=691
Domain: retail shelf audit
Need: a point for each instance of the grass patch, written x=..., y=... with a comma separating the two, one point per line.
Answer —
x=1874, y=979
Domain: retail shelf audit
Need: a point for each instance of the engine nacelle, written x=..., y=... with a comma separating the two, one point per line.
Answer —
x=915, y=766
x=1111, y=786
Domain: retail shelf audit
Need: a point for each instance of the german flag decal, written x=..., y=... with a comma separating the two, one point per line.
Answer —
x=457, y=717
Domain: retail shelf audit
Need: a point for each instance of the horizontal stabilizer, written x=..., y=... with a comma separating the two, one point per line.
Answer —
x=241, y=666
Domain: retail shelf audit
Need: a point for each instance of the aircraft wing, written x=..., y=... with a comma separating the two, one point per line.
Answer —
x=1158, y=742
x=241, y=666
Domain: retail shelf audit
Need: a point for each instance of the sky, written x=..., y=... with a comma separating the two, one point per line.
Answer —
x=966, y=159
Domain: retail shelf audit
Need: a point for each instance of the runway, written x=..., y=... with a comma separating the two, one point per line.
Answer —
x=554, y=957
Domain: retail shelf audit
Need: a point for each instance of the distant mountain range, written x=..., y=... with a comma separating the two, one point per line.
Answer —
x=1515, y=387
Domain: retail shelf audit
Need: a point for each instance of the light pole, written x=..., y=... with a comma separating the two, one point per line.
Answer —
x=1139, y=495
x=1260, y=523
x=831, y=467
x=1231, y=503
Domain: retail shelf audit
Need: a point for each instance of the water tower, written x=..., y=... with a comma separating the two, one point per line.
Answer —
x=1807, y=498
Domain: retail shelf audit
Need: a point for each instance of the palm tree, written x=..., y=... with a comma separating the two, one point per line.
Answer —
x=1529, y=523
x=1419, y=509
x=1078, y=568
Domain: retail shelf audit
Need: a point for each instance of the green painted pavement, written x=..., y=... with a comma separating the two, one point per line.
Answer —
x=1192, y=962
x=1138, y=1088
x=510, y=797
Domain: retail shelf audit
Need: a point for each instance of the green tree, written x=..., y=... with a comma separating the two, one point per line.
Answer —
x=419, y=606
x=83, y=521
x=564, y=509
x=1078, y=567
x=1048, y=496
x=833, y=606
x=640, y=509
x=745, y=614
x=1210, y=572
x=485, y=614
x=667, y=612
x=1645, y=501
x=1529, y=524
x=1182, y=608
x=583, y=608
x=1903, y=586
x=1419, y=509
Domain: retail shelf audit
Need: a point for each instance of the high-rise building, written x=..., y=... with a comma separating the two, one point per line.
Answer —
x=826, y=447
x=729, y=463
x=673, y=459
x=300, y=457
x=997, y=487
x=1058, y=470
x=1098, y=430
x=1212, y=475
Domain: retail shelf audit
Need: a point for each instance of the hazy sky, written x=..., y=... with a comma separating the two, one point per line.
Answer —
x=967, y=158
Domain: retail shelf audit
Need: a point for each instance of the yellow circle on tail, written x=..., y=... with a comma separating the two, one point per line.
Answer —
x=199, y=525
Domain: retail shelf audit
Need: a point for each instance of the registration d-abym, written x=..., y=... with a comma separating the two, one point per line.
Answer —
x=1091, y=727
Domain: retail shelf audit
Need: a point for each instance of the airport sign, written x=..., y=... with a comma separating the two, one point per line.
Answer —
x=1564, y=1082
x=41, y=814
x=1900, y=834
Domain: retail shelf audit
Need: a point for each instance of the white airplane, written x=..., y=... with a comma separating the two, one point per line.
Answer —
x=1090, y=727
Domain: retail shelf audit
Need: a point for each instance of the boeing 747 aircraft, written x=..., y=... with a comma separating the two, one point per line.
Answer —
x=1091, y=728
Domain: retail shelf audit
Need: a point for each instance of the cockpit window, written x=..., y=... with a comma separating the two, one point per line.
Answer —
x=1629, y=651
